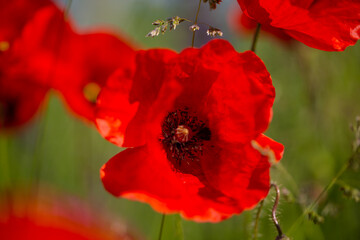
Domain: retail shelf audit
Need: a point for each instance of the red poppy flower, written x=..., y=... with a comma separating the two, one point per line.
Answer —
x=29, y=218
x=324, y=24
x=192, y=119
x=15, y=14
x=77, y=65
x=95, y=57
x=20, y=93
x=20, y=96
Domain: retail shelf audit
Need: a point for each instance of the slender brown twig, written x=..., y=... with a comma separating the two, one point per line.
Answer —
x=195, y=22
x=256, y=226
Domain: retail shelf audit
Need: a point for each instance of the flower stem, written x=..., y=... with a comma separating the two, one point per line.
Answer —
x=255, y=38
x=83, y=143
x=325, y=190
x=40, y=139
x=161, y=226
x=195, y=22
x=6, y=176
x=261, y=204
x=4, y=163
x=273, y=213
x=179, y=228
x=289, y=177
x=36, y=158
x=67, y=9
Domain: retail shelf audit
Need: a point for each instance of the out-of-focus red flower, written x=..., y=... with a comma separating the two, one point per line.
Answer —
x=323, y=24
x=31, y=218
x=20, y=96
x=20, y=92
x=194, y=120
x=48, y=53
x=77, y=65
x=95, y=57
x=15, y=14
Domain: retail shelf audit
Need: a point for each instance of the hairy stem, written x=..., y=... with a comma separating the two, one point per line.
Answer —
x=195, y=22
x=273, y=213
x=256, y=226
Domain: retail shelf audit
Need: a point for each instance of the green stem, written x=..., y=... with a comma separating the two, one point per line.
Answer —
x=161, y=226
x=36, y=162
x=255, y=38
x=195, y=22
x=84, y=143
x=256, y=226
x=290, y=179
x=330, y=185
x=315, y=202
x=4, y=163
x=179, y=228
x=67, y=9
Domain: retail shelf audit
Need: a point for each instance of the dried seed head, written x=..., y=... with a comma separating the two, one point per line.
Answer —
x=164, y=25
x=212, y=3
x=194, y=27
x=158, y=22
x=213, y=32
x=154, y=32
x=351, y=193
x=315, y=217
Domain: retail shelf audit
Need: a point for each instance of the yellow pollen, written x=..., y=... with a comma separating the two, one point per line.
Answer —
x=182, y=133
x=4, y=46
x=91, y=91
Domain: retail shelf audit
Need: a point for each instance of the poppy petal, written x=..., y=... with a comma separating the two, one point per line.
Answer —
x=144, y=174
x=113, y=119
x=239, y=103
x=97, y=56
x=149, y=96
x=325, y=24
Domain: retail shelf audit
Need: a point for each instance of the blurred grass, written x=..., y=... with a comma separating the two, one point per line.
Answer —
x=313, y=125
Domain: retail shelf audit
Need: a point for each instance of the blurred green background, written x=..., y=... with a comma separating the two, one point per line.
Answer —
x=318, y=96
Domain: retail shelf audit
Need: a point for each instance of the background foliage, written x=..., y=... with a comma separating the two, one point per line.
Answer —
x=318, y=96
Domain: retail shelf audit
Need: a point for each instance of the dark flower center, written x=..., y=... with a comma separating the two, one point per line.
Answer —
x=91, y=91
x=183, y=136
x=7, y=112
x=4, y=46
